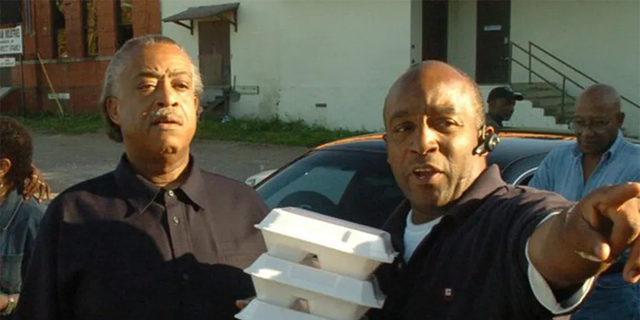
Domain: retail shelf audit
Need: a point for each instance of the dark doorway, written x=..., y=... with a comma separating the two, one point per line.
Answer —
x=435, y=19
x=492, y=51
x=10, y=12
x=124, y=21
x=214, y=53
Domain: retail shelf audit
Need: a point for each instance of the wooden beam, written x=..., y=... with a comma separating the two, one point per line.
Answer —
x=233, y=22
x=188, y=26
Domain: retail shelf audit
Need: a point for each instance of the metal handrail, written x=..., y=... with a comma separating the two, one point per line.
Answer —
x=531, y=55
x=529, y=67
x=542, y=77
x=532, y=44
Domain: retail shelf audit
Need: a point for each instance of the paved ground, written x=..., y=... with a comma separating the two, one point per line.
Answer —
x=66, y=160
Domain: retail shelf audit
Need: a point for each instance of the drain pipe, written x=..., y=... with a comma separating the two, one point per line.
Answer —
x=28, y=17
x=28, y=31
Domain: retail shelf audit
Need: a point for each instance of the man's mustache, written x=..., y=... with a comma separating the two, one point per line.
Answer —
x=166, y=115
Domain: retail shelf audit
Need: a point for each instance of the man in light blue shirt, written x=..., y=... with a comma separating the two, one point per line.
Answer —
x=601, y=156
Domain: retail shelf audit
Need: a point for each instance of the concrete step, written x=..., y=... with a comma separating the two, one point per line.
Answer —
x=550, y=93
x=548, y=98
x=556, y=112
x=552, y=101
x=530, y=87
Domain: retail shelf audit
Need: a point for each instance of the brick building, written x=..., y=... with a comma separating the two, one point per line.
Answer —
x=75, y=40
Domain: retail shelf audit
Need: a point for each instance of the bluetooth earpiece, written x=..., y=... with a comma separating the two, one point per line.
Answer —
x=486, y=143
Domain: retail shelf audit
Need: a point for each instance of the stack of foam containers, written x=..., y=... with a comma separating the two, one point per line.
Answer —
x=316, y=268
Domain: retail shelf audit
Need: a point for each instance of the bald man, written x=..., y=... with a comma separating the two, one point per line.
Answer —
x=471, y=246
x=601, y=156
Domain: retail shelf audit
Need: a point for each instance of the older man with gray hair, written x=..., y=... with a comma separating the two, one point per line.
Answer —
x=158, y=237
x=601, y=156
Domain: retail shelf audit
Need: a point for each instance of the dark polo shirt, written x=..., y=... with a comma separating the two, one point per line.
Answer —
x=473, y=264
x=118, y=247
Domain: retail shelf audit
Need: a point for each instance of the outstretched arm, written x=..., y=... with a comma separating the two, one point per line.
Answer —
x=586, y=239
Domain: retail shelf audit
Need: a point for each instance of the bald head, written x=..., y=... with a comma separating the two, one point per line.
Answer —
x=426, y=81
x=597, y=119
x=433, y=114
x=599, y=97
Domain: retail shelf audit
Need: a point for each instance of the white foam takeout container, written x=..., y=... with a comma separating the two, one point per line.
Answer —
x=260, y=310
x=341, y=247
x=329, y=295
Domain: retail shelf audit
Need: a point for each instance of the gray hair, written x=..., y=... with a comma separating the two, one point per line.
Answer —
x=604, y=94
x=119, y=63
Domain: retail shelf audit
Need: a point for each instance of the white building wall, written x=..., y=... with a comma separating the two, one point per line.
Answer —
x=178, y=33
x=344, y=54
x=600, y=38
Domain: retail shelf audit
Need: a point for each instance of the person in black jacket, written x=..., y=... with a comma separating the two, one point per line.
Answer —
x=502, y=101
x=158, y=237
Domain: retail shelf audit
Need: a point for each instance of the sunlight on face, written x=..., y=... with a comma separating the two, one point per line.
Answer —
x=156, y=105
x=431, y=131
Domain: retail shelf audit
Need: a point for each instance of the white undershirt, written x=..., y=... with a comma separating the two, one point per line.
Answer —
x=413, y=235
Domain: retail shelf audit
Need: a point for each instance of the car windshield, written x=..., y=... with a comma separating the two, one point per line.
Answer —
x=357, y=186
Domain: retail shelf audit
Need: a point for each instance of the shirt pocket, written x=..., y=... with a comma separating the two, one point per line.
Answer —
x=10, y=273
x=241, y=255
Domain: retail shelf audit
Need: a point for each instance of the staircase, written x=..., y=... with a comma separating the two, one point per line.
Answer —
x=544, y=96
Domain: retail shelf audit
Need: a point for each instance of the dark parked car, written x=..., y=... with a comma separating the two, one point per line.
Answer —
x=351, y=179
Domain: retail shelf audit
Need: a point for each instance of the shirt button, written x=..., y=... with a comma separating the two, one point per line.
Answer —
x=185, y=276
x=175, y=220
x=170, y=193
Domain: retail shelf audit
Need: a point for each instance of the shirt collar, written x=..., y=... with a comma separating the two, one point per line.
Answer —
x=613, y=150
x=140, y=192
x=496, y=117
x=487, y=183
x=8, y=209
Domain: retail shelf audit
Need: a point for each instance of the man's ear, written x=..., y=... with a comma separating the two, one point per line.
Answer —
x=620, y=118
x=199, y=108
x=489, y=130
x=487, y=141
x=113, y=109
x=386, y=144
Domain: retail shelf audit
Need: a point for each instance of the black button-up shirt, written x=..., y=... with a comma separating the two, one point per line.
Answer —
x=119, y=247
x=472, y=265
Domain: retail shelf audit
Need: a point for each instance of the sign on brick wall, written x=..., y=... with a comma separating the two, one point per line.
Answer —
x=11, y=41
x=7, y=62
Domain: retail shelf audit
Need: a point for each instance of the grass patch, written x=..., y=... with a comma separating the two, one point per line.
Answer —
x=274, y=131
x=90, y=123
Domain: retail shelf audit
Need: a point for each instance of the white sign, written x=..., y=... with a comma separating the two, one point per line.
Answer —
x=7, y=62
x=60, y=96
x=11, y=41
